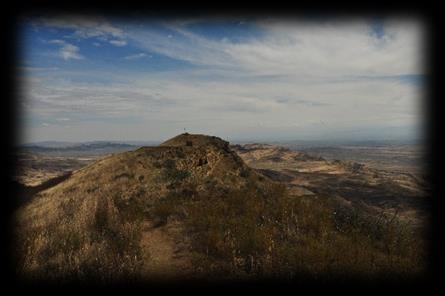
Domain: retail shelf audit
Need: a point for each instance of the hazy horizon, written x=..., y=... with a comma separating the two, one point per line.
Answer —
x=242, y=79
x=317, y=142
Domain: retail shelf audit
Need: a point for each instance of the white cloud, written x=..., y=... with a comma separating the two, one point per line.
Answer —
x=57, y=41
x=136, y=56
x=84, y=27
x=289, y=78
x=305, y=49
x=67, y=51
x=70, y=51
x=162, y=104
x=118, y=42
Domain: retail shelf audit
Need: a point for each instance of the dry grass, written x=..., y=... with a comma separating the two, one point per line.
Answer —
x=93, y=243
x=253, y=232
x=240, y=223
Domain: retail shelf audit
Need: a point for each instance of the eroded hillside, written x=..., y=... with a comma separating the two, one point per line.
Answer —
x=350, y=182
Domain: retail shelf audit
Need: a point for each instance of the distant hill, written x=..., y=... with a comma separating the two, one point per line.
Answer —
x=95, y=148
x=85, y=148
x=51, y=144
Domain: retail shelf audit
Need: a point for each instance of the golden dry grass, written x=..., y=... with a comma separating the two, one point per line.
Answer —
x=234, y=223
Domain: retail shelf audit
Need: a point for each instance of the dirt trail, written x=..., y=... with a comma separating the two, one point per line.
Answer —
x=165, y=254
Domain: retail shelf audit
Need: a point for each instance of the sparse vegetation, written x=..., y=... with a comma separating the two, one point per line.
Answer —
x=105, y=247
x=170, y=173
x=267, y=233
x=239, y=223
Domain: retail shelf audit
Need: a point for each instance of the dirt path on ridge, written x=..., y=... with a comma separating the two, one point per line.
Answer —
x=164, y=251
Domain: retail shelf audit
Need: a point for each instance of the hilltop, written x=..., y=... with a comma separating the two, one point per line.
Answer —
x=120, y=200
x=192, y=208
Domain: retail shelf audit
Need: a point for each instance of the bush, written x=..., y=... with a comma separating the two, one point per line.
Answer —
x=265, y=232
x=171, y=174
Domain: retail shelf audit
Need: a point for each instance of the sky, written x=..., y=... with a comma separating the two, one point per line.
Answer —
x=86, y=78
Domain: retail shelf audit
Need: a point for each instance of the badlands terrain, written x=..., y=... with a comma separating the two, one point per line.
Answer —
x=351, y=182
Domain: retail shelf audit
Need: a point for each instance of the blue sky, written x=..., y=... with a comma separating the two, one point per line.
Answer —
x=100, y=78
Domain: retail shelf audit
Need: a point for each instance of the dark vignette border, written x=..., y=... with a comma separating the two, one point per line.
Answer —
x=10, y=52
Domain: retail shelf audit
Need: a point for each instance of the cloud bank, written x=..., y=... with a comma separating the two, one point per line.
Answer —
x=271, y=79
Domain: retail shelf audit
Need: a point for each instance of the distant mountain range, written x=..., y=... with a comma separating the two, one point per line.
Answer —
x=86, y=148
x=65, y=144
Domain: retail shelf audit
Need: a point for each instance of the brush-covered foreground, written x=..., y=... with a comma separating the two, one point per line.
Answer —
x=252, y=233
